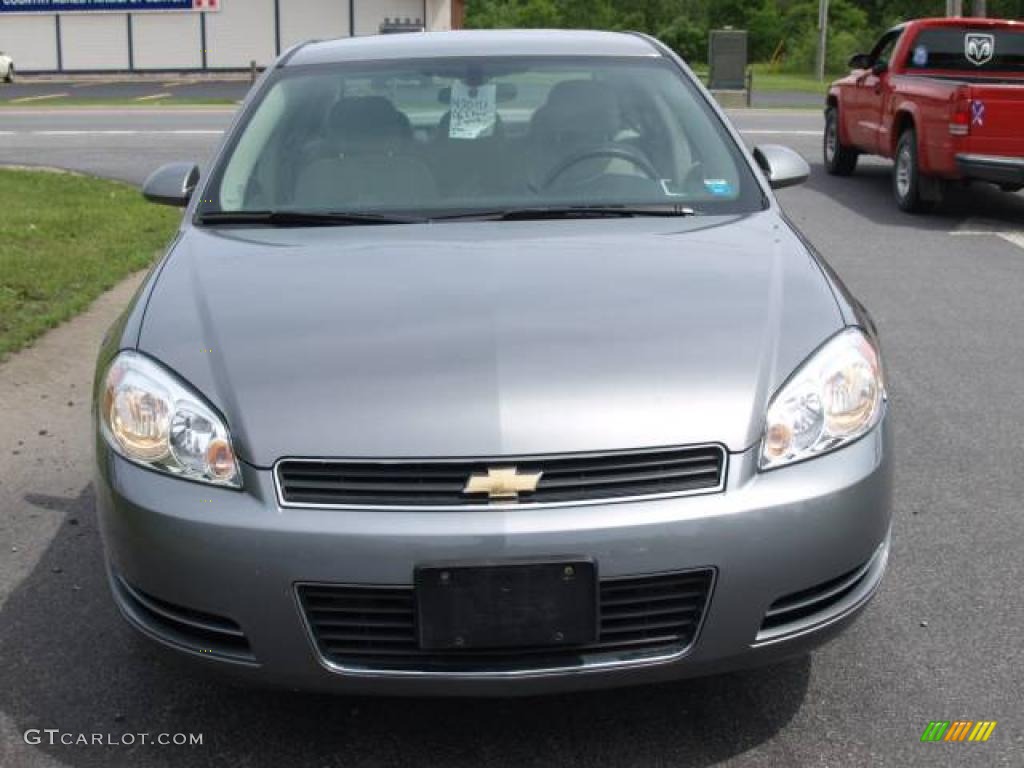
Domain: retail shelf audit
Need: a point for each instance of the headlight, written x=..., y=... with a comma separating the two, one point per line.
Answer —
x=832, y=399
x=151, y=418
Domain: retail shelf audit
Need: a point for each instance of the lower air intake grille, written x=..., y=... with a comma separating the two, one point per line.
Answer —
x=809, y=603
x=440, y=483
x=195, y=630
x=367, y=627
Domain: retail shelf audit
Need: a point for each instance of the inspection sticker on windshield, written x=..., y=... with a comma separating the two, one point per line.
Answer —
x=718, y=187
x=474, y=111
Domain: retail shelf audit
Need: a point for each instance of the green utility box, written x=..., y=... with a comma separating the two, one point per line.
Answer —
x=727, y=55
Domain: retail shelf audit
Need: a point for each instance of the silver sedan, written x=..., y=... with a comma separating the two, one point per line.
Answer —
x=487, y=363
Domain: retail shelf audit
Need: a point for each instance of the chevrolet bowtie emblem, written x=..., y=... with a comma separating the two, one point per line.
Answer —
x=503, y=483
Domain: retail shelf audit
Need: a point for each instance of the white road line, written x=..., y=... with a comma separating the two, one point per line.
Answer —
x=25, y=99
x=986, y=228
x=142, y=109
x=183, y=132
x=774, y=111
x=79, y=133
x=153, y=97
x=773, y=132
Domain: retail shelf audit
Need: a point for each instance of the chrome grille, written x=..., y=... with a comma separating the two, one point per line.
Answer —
x=440, y=483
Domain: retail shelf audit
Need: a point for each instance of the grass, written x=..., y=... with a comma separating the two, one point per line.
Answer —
x=64, y=240
x=768, y=78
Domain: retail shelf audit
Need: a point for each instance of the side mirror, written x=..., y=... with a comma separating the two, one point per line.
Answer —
x=782, y=166
x=860, y=61
x=879, y=67
x=172, y=184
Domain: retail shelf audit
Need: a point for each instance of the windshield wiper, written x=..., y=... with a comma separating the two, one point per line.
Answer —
x=303, y=218
x=570, y=212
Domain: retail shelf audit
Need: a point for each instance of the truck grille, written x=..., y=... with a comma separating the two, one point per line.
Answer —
x=374, y=627
x=440, y=483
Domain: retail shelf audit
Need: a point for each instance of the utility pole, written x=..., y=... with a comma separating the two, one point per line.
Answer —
x=822, y=38
x=979, y=9
x=954, y=7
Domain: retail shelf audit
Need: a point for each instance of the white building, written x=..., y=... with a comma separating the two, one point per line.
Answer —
x=141, y=35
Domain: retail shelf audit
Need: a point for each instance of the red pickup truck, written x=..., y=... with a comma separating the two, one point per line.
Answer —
x=944, y=97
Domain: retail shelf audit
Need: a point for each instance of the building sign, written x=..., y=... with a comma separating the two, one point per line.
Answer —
x=122, y=6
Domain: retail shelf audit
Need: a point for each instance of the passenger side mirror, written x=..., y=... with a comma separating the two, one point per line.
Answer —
x=880, y=67
x=782, y=166
x=860, y=61
x=172, y=184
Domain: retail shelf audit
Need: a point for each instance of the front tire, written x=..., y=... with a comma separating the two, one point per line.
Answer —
x=10, y=74
x=840, y=160
x=907, y=182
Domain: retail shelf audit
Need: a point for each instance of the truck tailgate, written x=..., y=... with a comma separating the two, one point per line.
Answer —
x=997, y=120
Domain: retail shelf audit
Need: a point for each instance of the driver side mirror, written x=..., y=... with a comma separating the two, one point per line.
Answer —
x=172, y=184
x=782, y=166
x=879, y=67
x=860, y=61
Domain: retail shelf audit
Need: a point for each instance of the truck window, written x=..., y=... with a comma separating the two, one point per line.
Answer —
x=966, y=49
x=882, y=52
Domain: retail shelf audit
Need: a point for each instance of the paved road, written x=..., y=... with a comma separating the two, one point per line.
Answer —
x=170, y=90
x=941, y=641
x=128, y=144
x=124, y=144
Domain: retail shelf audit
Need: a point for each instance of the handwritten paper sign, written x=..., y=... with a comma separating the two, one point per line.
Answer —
x=474, y=111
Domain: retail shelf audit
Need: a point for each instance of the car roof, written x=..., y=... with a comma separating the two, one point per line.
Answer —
x=507, y=42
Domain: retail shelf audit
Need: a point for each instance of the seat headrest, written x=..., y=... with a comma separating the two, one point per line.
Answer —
x=583, y=108
x=367, y=119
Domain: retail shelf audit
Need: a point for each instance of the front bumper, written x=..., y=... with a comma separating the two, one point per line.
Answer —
x=1008, y=171
x=229, y=560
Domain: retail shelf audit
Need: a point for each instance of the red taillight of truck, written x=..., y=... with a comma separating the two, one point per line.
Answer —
x=960, y=122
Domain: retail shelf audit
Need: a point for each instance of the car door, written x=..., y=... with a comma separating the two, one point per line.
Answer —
x=870, y=94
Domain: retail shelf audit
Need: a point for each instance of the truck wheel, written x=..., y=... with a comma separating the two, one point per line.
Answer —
x=907, y=182
x=10, y=74
x=840, y=160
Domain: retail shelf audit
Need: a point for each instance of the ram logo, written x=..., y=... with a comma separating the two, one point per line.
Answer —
x=979, y=48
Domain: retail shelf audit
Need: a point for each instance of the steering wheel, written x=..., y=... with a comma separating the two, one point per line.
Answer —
x=621, y=152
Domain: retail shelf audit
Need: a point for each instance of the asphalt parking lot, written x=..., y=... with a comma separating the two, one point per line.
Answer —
x=170, y=90
x=942, y=640
x=151, y=89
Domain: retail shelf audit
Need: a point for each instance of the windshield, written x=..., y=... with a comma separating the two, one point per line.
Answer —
x=967, y=49
x=452, y=136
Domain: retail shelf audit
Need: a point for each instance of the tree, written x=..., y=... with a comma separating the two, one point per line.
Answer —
x=787, y=26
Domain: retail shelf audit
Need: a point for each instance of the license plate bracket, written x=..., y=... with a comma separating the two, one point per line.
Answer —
x=538, y=603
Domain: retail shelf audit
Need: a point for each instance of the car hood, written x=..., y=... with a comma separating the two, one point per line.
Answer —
x=487, y=339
